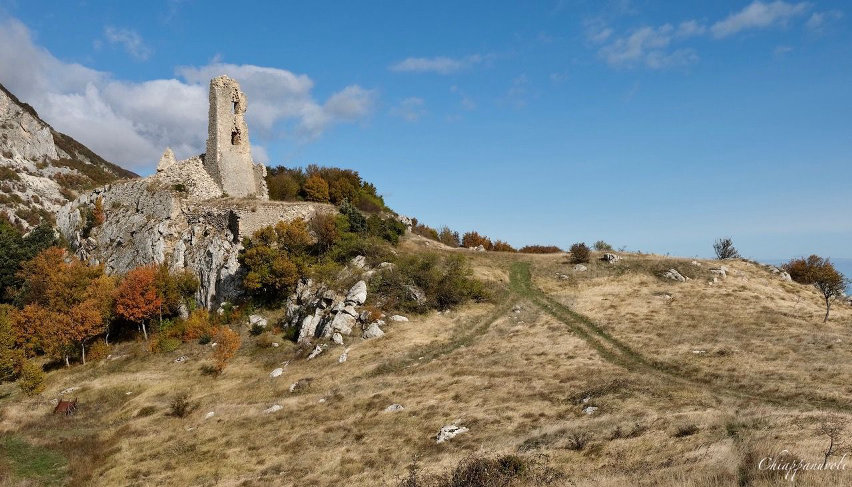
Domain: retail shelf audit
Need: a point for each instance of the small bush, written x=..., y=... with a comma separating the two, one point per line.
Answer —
x=181, y=407
x=196, y=325
x=602, y=246
x=474, y=239
x=32, y=378
x=228, y=342
x=724, y=248
x=421, y=282
x=449, y=237
x=576, y=441
x=162, y=343
x=580, y=253
x=501, y=246
x=540, y=249
x=98, y=351
x=146, y=411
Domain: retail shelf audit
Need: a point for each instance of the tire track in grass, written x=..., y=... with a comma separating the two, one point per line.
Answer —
x=619, y=353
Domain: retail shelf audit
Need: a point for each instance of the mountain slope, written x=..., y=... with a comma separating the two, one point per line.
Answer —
x=609, y=376
x=42, y=169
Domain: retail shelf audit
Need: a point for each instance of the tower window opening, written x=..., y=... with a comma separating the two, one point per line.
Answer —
x=235, y=137
x=236, y=105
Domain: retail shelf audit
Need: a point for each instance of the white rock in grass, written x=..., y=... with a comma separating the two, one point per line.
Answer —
x=398, y=318
x=337, y=338
x=590, y=409
x=276, y=373
x=273, y=409
x=580, y=268
x=449, y=432
x=209, y=415
x=394, y=408
x=373, y=331
x=674, y=275
x=343, y=356
x=320, y=349
x=257, y=320
x=358, y=293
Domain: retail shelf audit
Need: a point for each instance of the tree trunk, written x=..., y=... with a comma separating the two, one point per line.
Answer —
x=827, y=309
x=83, y=350
x=145, y=331
x=67, y=364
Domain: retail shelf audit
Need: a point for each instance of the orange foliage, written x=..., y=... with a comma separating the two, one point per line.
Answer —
x=316, y=189
x=474, y=239
x=66, y=303
x=227, y=343
x=136, y=298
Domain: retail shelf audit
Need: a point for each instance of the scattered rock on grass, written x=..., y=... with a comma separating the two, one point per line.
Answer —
x=449, y=432
x=373, y=331
x=318, y=350
x=394, y=408
x=398, y=318
x=277, y=372
x=590, y=409
x=674, y=275
x=273, y=409
x=580, y=268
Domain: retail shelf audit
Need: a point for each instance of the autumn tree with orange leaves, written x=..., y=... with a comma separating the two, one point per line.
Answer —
x=227, y=343
x=137, y=299
x=66, y=303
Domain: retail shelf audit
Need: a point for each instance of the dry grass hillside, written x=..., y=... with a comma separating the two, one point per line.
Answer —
x=694, y=383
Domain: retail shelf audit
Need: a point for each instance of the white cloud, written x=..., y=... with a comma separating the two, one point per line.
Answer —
x=759, y=15
x=410, y=109
x=690, y=28
x=440, y=64
x=130, y=40
x=649, y=46
x=818, y=20
x=131, y=123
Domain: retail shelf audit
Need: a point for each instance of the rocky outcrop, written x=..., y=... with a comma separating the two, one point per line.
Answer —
x=42, y=169
x=674, y=275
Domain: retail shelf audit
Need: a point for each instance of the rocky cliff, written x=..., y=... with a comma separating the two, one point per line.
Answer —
x=42, y=169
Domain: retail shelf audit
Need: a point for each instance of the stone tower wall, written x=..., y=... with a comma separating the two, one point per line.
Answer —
x=228, y=157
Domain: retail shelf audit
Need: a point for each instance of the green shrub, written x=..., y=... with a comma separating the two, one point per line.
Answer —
x=449, y=237
x=602, y=246
x=32, y=378
x=180, y=406
x=357, y=222
x=580, y=253
x=540, y=249
x=160, y=343
x=441, y=281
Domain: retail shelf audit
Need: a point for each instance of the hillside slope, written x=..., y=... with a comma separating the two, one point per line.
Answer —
x=609, y=376
x=42, y=169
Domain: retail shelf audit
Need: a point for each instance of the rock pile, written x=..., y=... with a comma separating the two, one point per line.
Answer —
x=674, y=275
x=319, y=312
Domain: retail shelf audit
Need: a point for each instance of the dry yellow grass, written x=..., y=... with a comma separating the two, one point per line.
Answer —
x=769, y=375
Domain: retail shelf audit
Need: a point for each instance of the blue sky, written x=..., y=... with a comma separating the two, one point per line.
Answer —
x=658, y=126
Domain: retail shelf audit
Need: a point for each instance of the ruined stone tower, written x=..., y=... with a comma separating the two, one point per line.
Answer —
x=228, y=157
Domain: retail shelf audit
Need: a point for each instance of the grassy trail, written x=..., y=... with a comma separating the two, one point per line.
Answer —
x=619, y=353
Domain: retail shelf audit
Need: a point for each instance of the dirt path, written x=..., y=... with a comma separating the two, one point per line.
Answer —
x=619, y=353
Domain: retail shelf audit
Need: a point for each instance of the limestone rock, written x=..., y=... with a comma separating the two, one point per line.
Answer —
x=449, y=432
x=358, y=293
x=373, y=331
x=610, y=257
x=257, y=320
x=415, y=294
x=393, y=408
x=342, y=323
x=317, y=351
x=343, y=356
x=273, y=409
x=398, y=318
x=276, y=373
x=720, y=271
x=674, y=275
x=209, y=415
x=359, y=261
x=337, y=338
x=590, y=409
x=580, y=268
x=785, y=276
